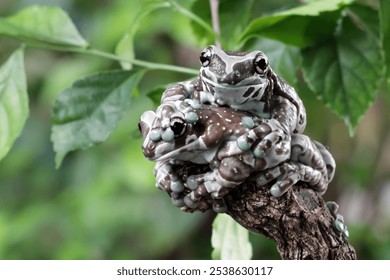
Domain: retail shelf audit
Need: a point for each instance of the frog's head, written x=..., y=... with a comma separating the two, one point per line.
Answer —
x=234, y=77
x=169, y=142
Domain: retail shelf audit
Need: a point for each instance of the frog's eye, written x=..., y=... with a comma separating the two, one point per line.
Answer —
x=205, y=57
x=261, y=64
x=178, y=126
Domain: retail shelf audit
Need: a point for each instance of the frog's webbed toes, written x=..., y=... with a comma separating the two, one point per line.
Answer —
x=288, y=174
x=191, y=117
x=281, y=186
x=245, y=141
x=155, y=135
x=166, y=179
x=192, y=200
x=340, y=226
x=272, y=141
x=178, y=202
x=333, y=207
x=194, y=181
x=177, y=185
x=190, y=203
x=338, y=219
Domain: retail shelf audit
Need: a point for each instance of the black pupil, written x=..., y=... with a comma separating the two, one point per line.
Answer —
x=203, y=57
x=177, y=128
x=262, y=64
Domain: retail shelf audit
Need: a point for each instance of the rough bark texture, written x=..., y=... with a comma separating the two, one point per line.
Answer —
x=299, y=222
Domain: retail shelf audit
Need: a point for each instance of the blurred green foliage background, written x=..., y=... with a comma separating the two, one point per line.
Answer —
x=102, y=203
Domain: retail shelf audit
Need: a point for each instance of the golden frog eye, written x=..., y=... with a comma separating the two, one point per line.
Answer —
x=205, y=57
x=178, y=126
x=261, y=64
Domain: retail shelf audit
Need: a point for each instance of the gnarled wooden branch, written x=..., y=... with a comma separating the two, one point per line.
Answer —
x=299, y=222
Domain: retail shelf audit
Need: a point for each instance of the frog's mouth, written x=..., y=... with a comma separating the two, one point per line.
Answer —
x=225, y=94
x=193, y=151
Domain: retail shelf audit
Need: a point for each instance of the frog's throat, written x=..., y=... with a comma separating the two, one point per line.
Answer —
x=239, y=93
x=195, y=145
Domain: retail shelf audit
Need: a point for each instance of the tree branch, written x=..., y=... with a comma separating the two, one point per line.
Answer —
x=299, y=222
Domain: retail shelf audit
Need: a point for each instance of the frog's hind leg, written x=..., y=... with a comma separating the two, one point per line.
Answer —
x=297, y=172
x=310, y=162
x=206, y=185
x=288, y=174
x=328, y=159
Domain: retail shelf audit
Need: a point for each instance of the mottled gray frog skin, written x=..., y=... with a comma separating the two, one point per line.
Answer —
x=208, y=136
x=245, y=81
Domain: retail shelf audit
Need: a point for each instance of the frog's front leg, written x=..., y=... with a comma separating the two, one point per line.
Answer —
x=168, y=181
x=279, y=127
x=230, y=172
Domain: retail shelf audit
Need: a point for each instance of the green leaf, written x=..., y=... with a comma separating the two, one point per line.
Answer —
x=345, y=71
x=13, y=100
x=86, y=113
x=301, y=26
x=40, y=24
x=384, y=18
x=125, y=47
x=229, y=240
x=155, y=94
x=233, y=16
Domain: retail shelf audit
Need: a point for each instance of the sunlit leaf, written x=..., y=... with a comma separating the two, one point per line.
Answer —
x=300, y=26
x=40, y=24
x=13, y=100
x=345, y=71
x=229, y=240
x=125, y=47
x=86, y=113
x=384, y=17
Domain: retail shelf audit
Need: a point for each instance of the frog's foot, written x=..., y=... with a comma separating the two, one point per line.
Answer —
x=245, y=141
x=269, y=141
x=206, y=185
x=166, y=178
x=171, y=118
x=192, y=200
x=177, y=199
x=263, y=137
x=288, y=174
x=338, y=219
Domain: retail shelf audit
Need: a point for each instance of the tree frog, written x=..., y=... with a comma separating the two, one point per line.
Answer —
x=245, y=81
x=208, y=136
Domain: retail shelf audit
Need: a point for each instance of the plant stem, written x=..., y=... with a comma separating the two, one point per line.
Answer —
x=137, y=62
x=142, y=63
x=214, y=7
x=197, y=19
